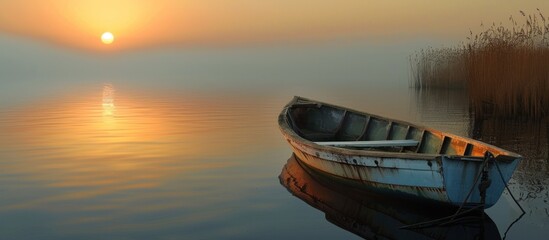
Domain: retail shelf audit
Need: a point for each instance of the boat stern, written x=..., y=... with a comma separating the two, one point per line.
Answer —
x=462, y=178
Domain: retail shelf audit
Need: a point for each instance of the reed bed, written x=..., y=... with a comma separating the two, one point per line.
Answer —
x=505, y=69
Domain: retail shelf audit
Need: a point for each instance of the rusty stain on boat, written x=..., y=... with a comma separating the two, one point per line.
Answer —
x=388, y=155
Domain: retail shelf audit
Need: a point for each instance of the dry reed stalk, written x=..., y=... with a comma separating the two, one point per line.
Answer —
x=504, y=69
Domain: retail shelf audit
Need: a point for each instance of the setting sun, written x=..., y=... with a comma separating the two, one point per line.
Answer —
x=107, y=38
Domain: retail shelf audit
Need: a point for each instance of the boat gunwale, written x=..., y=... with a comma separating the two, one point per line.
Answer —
x=287, y=130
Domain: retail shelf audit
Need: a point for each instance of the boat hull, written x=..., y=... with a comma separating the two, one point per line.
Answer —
x=376, y=153
x=441, y=179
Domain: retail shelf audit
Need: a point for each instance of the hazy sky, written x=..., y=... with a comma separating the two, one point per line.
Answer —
x=156, y=23
x=244, y=45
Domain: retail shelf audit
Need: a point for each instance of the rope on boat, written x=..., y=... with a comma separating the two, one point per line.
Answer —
x=485, y=183
x=452, y=218
x=487, y=157
x=440, y=221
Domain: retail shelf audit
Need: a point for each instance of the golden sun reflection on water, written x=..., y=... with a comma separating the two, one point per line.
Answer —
x=99, y=147
x=108, y=100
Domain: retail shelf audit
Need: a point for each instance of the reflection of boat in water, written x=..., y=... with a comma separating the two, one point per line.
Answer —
x=373, y=216
x=395, y=157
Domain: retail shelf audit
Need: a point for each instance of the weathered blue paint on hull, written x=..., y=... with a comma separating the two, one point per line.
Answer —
x=407, y=181
x=444, y=179
x=460, y=174
x=442, y=168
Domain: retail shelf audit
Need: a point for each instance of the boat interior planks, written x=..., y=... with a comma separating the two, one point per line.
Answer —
x=322, y=123
x=392, y=155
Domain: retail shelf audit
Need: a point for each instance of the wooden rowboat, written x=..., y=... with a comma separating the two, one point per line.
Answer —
x=395, y=157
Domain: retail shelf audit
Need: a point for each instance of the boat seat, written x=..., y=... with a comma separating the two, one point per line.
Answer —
x=381, y=143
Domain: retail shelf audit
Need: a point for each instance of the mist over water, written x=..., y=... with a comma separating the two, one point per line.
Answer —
x=183, y=143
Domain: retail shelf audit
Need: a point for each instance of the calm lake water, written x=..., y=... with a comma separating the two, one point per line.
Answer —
x=154, y=159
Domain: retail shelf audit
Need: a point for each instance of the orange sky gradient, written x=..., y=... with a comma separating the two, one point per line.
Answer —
x=157, y=23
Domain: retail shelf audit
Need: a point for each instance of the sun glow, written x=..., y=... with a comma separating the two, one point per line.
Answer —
x=107, y=38
x=139, y=24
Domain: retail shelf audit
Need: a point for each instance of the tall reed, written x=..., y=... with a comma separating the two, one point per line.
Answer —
x=438, y=68
x=504, y=69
